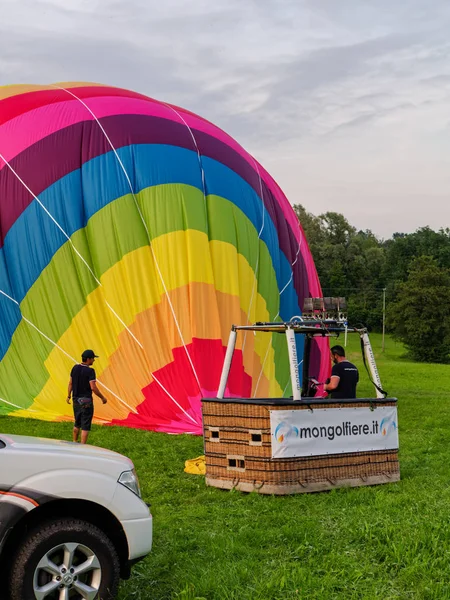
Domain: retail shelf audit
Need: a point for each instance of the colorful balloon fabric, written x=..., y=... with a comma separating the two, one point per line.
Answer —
x=142, y=231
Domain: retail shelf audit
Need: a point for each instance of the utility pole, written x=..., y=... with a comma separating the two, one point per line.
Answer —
x=384, y=318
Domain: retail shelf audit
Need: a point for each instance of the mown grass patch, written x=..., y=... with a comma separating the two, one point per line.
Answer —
x=386, y=542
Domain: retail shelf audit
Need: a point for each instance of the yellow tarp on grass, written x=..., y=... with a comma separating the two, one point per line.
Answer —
x=195, y=466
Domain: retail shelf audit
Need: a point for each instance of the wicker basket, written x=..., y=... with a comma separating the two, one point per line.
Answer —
x=238, y=450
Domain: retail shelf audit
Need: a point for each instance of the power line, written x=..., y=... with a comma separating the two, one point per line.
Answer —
x=337, y=287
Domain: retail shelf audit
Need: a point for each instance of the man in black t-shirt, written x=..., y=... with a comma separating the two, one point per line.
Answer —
x=344, y=375
x=81, y=384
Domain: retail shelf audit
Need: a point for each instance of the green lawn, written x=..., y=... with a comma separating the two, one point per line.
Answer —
x=386, y=542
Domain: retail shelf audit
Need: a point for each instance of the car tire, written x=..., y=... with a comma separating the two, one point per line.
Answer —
x=65, y=553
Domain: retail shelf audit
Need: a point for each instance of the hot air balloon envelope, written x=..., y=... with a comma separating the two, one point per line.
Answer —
x=140, y=230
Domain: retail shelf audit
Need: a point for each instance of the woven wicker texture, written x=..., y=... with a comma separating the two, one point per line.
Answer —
x=243, y=430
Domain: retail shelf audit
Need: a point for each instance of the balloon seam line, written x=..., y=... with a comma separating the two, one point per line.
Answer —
x=144, y=223
x=55, y=344
x=72, y=245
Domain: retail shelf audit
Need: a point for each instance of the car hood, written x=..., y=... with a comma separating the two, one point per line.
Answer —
x=28, y=444
x=40, y=468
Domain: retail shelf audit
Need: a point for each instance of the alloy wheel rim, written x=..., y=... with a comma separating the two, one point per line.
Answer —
x=69, y=571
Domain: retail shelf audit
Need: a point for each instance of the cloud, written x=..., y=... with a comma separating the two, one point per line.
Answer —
x=344, y=102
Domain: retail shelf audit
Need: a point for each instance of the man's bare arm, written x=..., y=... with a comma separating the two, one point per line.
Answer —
x=334, y=382
x=97, y=392
x=69, y=391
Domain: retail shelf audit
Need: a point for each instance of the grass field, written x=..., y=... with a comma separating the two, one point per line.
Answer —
x=387, y=542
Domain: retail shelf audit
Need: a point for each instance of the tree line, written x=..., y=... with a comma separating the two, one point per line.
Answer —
x=413, y=268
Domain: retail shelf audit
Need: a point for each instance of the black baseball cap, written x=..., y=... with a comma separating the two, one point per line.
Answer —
x=88, y=354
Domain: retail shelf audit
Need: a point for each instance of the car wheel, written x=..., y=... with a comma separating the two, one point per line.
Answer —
x=65, y=559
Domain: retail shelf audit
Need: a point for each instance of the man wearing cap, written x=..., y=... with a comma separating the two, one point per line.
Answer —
x=82, y=383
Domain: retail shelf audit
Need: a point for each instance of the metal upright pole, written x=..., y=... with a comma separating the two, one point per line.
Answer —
x=370, y=358
x=295, y=376
x=384, y=319
x=227, y=364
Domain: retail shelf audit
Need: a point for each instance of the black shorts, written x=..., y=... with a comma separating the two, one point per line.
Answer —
x=83, y=414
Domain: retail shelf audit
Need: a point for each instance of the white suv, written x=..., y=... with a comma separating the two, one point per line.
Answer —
x=72, y=521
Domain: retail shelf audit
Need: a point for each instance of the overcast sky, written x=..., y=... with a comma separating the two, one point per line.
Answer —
x=345, y=102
